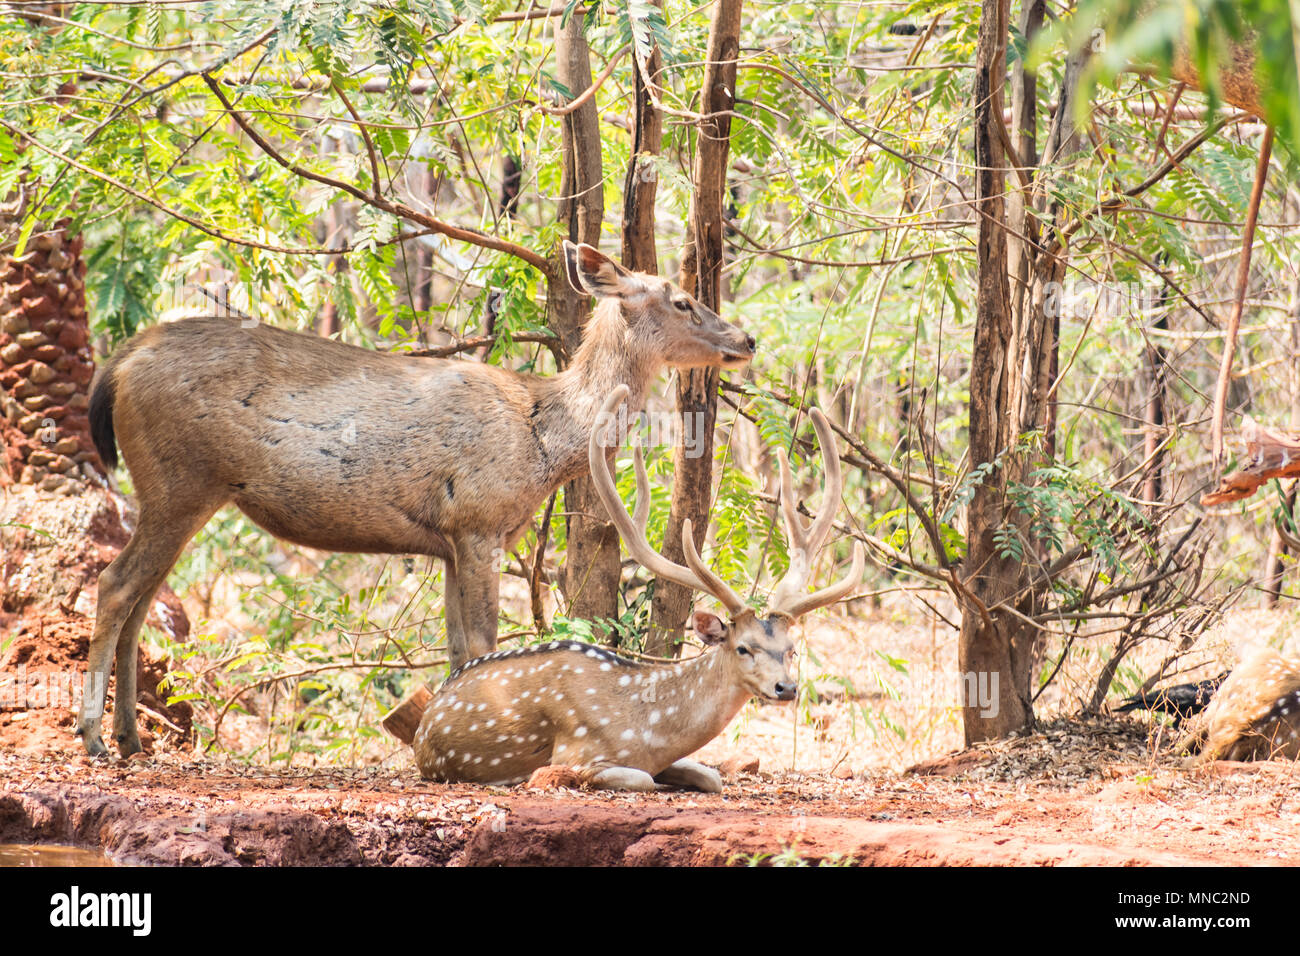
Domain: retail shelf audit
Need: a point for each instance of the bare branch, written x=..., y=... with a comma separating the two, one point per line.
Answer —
x=401, y=210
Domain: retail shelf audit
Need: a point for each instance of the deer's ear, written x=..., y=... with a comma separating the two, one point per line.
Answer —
x=591, y=271
x=710, y=628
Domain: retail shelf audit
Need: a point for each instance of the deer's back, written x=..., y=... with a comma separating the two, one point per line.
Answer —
x=500, y=717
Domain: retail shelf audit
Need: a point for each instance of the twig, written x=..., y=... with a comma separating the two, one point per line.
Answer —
x=365, y=137
x=1243, y=277
x=877, y=464
x=203, y=227
x=401, y=210
x=590, y=91
x=468, y=345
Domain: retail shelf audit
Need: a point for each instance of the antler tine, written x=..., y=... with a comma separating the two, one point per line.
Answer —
x=794, y=527
x=715, y=585
x=825, y=521
x=806, y=542
x=829, y=595
x=631, y=528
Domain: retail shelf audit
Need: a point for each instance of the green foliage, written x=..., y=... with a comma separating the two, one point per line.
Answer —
x=849, y=244
x=1140, y=31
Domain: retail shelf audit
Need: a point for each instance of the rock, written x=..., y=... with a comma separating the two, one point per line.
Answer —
x=41, y=373
x=553, y=778
x=734, y=765
x=30, y=340
x=12, y=353
x=843, y=772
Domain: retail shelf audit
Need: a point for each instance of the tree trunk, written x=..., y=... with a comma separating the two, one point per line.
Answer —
x=1156, y=361
x=1013, y=368
x=45, y=360
x=995, y=701
x=59, y=523
x=642, y=180
x=701, y=276
x=591, y=569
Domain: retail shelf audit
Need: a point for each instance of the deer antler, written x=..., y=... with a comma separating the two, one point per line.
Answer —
x=788, y=598
x=631, y=528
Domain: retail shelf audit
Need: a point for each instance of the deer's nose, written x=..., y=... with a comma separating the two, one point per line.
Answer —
x=785, y=690
x=751, y=342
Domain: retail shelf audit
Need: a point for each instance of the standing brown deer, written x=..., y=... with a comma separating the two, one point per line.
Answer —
x=345, y=449
x=626, y=725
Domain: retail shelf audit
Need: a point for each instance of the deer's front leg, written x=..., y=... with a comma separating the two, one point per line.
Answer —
x=456, y=639
x=692, y=775
x=477, y=580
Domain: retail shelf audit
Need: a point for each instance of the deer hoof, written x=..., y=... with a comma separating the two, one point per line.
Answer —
x=691, y=775
x=623, y=778
x=127, y=744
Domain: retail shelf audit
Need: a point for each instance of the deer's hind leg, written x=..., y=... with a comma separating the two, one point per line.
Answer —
x=126, y=591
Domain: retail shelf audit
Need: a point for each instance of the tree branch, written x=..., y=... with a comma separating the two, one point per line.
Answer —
x=1243, y=278
x=401, y=210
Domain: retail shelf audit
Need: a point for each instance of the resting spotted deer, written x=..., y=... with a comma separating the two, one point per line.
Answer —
x=624, y=724
x=347, y=449
x=1254, y=715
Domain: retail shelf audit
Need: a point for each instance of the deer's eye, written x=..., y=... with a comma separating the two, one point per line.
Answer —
x=742, y=650
x=681, y=305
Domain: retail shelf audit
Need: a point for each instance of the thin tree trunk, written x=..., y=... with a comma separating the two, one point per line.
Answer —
x=591, y=570
x=641, y=183
x=1155, y=359
x=1278, y=548
x=701, y=276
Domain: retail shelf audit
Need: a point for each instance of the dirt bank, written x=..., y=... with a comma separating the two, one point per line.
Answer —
x=1088, y=795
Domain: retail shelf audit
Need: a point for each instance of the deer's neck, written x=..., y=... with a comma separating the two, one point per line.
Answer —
x=568, y=403
x=687, y=705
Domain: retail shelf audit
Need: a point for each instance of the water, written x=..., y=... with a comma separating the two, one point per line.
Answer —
x=50, y=854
